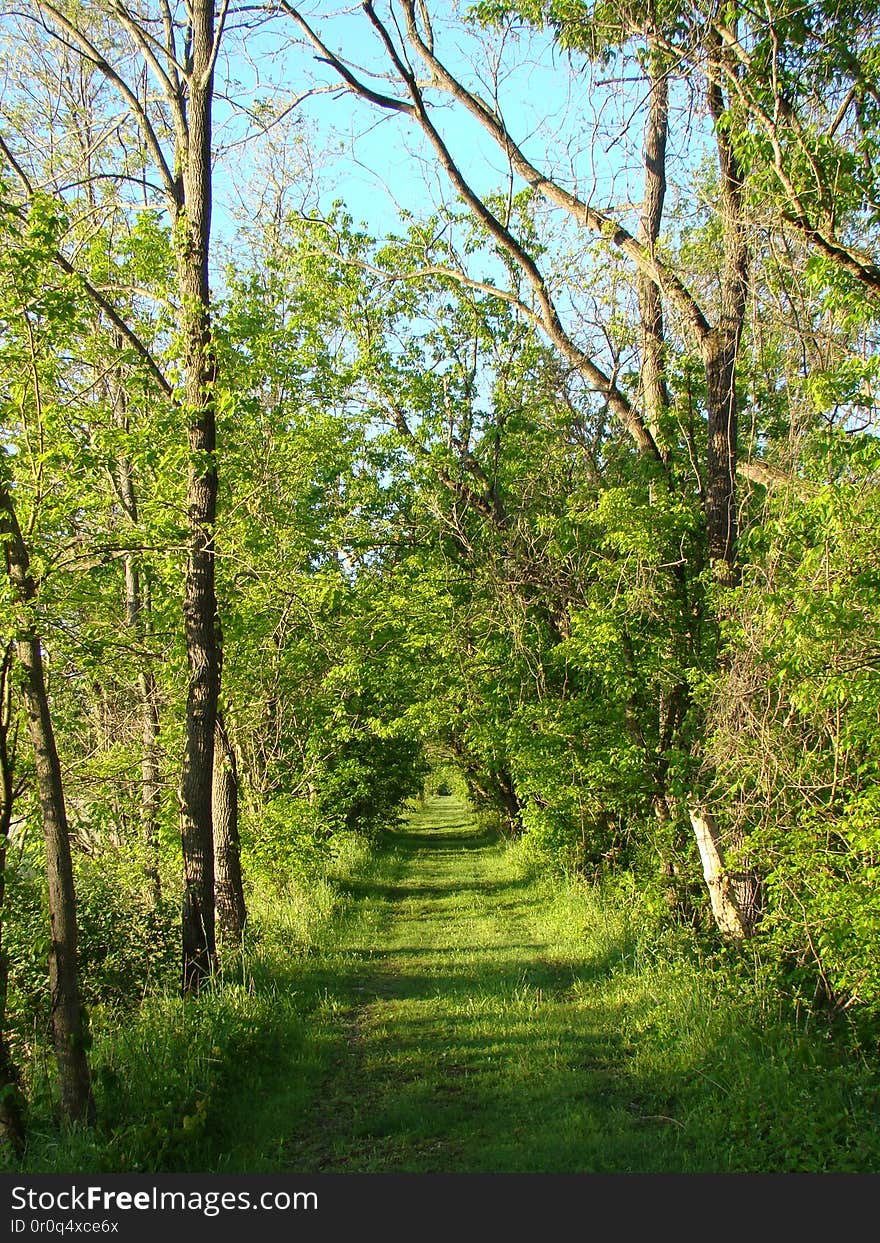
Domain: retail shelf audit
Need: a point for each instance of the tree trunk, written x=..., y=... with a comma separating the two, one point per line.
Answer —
x=734, y=895
x=655, y=394
x=68, y=1024
x=151, y=790
x=193, y=227
x=11, y=1115
x=720, y=500
x=503, y=783
x=67, y=1016
x=228, y=890
x=136, y=619
x=722, y=344
x=181, y=62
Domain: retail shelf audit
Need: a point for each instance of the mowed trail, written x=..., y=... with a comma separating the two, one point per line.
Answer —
x=458, y=1029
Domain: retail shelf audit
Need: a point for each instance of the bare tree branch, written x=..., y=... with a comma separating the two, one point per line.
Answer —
x=548, y=316
x=597, y=222
x=328, y=58
x=89, y=52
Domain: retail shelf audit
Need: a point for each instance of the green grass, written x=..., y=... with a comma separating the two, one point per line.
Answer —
x=479, y=1020
x=440, y=1009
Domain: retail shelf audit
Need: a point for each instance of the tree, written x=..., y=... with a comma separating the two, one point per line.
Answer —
x=35, y=315
x=68, y=1020
x=11, y=1119
x=175, y=136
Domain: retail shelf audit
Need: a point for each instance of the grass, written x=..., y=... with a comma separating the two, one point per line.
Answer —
x=441, y=1010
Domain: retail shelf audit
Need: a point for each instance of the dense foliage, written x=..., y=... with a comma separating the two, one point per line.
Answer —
x=577, y=508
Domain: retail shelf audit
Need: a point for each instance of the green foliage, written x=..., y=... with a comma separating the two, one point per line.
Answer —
x=128, y=947
x=442, y=565
x=284, y=838
x=26, y=945
x=175, y=1080
x=364, y=784
x=795, y=721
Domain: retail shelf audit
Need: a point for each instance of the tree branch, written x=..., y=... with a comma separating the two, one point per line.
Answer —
x=549, y=317
x=94, y=294
x=88, y=50
x=353, y=83
x=598, y=222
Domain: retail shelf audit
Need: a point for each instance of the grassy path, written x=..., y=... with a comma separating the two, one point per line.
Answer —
x=456, y=1032
x=460, y=1018
x=443, y=1013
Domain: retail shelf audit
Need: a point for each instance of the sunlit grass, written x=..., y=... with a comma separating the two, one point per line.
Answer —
x=435, y=1007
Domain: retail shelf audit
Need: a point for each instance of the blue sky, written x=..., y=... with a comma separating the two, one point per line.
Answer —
x=377, y=162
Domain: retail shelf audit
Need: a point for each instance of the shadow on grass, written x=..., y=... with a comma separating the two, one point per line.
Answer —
x=503, y=1056
x=500, y=1066
x=481, y=1058
x=484, y=1066
x=367, y=889
x=439, y=951
x=440, y=840
x=361, y=976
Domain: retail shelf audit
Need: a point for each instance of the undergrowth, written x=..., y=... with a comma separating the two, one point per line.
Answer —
x=168, y=1074
x=561, y=1026
x=718, y=1048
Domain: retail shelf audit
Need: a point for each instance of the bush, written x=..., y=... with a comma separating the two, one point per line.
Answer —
x=365, y=782
x=126, y=944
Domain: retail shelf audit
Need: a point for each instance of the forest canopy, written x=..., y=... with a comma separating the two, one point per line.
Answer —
x=434, y=393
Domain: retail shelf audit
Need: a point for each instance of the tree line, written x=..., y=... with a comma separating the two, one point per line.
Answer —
x=572, y=476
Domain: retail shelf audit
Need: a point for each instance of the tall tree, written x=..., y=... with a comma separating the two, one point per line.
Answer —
x=38, y=313
x=11, y=1120
x=68, y=1020
x=174, y=124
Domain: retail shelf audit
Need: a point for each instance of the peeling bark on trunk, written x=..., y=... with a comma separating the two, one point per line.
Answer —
x=734, y=895
x=228, y=890
x=68, y=1024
